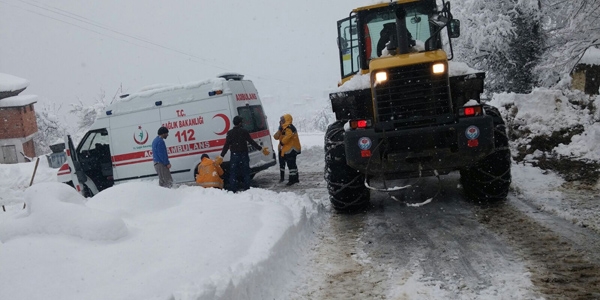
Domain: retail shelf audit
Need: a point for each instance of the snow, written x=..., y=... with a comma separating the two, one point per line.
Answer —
x=20, y=100
x=9, y=83
x=357, y=82
x=140, y=241
x=591, y=57
x=456, y=68
x=544, y=111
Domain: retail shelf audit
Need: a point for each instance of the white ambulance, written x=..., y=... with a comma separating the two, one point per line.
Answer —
x=118, y=146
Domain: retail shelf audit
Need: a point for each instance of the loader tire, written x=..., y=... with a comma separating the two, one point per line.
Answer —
x=489, y=180
x=347, y=192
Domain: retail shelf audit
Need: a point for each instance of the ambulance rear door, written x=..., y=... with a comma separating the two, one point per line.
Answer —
x=249, y=107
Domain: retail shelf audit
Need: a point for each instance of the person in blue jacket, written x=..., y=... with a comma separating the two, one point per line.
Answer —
x=161, y=158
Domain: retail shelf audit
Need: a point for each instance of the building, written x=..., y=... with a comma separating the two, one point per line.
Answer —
x=17, y=120
x=586, y=75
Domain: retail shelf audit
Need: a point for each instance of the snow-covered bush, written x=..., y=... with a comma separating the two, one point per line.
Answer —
x=554, y=129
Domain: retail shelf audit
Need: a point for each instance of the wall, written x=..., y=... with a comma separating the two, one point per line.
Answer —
x=17, y=122
x=17, y=128
x=586, y=78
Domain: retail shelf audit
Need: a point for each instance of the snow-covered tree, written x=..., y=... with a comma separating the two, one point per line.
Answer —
x=526, y=48
x=503, y=38
x=51, y=127
x=572, y=27
x=87, y=114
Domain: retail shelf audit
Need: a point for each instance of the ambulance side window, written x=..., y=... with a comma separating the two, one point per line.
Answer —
x=95, y=141
x=254, y=118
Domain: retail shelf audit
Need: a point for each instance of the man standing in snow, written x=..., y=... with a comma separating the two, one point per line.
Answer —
x=238, y=139
x=161, y=159
x=289, y=148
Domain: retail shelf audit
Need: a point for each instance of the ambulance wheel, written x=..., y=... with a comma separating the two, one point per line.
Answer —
x=489, y=180
x=347, y=192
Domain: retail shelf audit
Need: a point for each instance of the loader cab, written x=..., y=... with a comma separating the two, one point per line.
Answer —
x=392, y=29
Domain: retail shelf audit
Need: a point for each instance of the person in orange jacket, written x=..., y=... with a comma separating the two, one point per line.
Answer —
x=289, y=148
x=209, y=173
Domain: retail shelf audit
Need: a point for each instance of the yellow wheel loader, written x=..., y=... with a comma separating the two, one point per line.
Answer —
x=401, y=113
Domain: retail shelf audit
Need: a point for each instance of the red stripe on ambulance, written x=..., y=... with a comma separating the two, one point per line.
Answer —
x=178, y=150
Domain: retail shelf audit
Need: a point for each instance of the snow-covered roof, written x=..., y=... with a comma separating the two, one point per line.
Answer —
x=591, y=57
x=179, y=93
x=10, y=83
x=17, y=101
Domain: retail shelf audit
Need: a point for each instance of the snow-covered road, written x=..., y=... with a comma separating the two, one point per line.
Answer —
x=448, y=249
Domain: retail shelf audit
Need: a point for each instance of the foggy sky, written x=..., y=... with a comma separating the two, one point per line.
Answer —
x=73, y=51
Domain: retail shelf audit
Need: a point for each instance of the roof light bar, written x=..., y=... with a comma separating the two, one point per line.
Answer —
x=217, y=92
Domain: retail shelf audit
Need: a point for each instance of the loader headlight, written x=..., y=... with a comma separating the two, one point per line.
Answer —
x=439, y=68
x=381, y=77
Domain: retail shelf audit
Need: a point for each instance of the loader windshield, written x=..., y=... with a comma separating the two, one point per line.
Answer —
x=380, y=26
x=367, y=32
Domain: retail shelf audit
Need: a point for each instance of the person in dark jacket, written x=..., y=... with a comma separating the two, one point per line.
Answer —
x=237, y=140
x=289, y=148
x=161, y=159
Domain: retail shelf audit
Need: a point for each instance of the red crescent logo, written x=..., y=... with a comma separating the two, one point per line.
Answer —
x=142, y=142
x=226, y=119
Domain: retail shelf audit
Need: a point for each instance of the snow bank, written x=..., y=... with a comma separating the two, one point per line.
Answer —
x=148, y=242
x=57, y=209
x=15, y=179
x=543, y=111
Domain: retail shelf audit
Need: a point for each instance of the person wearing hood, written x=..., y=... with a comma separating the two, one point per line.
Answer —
x=289, y=148
x=209, y=173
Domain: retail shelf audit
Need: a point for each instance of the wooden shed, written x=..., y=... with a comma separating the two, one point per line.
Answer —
x=586, y=75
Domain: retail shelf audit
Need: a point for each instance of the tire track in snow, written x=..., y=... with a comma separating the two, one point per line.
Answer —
x=559, y=268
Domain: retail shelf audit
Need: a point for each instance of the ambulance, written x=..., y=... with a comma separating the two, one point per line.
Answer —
x=118, y=146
